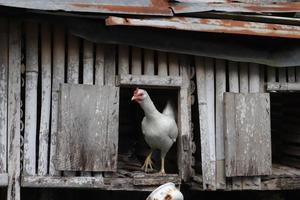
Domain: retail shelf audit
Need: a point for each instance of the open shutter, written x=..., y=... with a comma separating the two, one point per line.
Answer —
x=247, y=134
x=88, y=131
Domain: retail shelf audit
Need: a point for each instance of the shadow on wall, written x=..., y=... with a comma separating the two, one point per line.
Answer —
x=80, y=194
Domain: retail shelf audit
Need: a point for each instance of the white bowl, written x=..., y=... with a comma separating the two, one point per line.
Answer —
x=166, y=191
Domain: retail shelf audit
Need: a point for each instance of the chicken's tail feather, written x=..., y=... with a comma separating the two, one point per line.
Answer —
x=170, y=110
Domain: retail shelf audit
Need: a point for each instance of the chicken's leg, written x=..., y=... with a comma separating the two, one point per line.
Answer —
x=148, y=163
x=162, y=170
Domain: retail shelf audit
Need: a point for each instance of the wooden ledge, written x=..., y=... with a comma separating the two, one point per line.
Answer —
x=275, y=86
x=150, y=81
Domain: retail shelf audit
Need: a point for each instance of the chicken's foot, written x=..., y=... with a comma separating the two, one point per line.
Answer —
x=162, y=170
x=148, y=163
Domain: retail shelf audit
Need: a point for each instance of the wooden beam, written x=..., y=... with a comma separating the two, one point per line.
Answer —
x=275, y=86
x=150, y=81
x=155, y=179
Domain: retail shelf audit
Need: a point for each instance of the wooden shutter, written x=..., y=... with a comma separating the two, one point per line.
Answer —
x=247, y=134
x=88, y=130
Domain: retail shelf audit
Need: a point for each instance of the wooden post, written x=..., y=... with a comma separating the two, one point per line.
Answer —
x=13, y=123
x=271, y=75
x=162, y=64
x=244, y=79
x=99, y=76
x=291, y=74
x=29, y=162
x=298, y=74
x=136, y=66
x=148, y=62
x=233, y=75
x=282, y=74
x=3, y=93
x=46, y=99
x=173, y=65
x=88, y=72
x=220, y=89
x=123, y=59
x=58, y=78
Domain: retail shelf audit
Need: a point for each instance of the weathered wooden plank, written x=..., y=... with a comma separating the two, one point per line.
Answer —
x=89, y=128
x=162, y=63
x=13, y=112
x=248, y=140
x=3, y=180
x=271, y=74
x=3, y=93
x=123, y=59
x=62, y=182
x=136, y=61
x=233, y=76
x=281, y=183
x=262, y=80
x=29, y=161
x=99, y=65
x=244, y=79
x=46, y=99
x=282, y=78
x=110, y=65
x=220, y=89
x=148, y=62
x=58, y=78
x=275, y=86
x=297, y=74
x=146, y=180
x=291, y=74
x=88, y=63
x=150, y=81
x=184, y=121
x=173, y=64
x=207, y=153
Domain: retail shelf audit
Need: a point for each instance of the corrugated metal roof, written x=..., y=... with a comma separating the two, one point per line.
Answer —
x=137, y=7
x=211, y=25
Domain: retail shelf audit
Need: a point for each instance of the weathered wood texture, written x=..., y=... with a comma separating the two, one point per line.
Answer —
x=3, y=93
x=29, y=162
x=275, y=86
x=247, y=134
x=149, y=81
x=46, y=99
x=123, y=59
x=148, y=62
x=173, y=64
x=88, y=130
x=136, y=61
x=13, y=123
x=219, y=127
x=58, y=78
x=162, y=64
x=207, y=151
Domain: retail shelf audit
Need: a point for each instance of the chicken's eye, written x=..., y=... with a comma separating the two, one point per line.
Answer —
x=140, y=94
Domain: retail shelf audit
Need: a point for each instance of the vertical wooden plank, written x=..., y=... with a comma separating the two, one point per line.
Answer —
x=136, y=61
x=99, y=75
x=207, y=153
x=73, y=70
x=262, y=87
x=298, y=74
x=271, y=74
x=291, y=74
x=123, y=59
x=282, y=75
x=219, y=127
x=58, y=78
x=233, y=75
x=88, y=63
x=162, y=64
x=173, y=64
x=46, y=99
x=99, y=65
x=148, y=62
x=88, y=72
x=254, y=87
x=184, y=156
x=110, y=65
x=13, y=123
x=29, y=162
x=244, y=85
x=3, y=93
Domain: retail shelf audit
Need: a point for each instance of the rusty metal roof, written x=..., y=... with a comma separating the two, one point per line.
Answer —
x=136, y=7
x=157, y=7
x=211, y=25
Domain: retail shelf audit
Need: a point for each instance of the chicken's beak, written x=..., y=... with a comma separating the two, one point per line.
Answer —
x=133, y=98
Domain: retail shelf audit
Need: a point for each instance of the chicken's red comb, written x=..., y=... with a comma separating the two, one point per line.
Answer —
x=136, y=90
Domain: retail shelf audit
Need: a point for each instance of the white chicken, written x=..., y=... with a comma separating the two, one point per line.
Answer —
x=159, y=129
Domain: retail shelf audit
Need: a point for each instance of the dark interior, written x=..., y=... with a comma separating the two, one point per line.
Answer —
x=285, y=128
x=132, y=147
